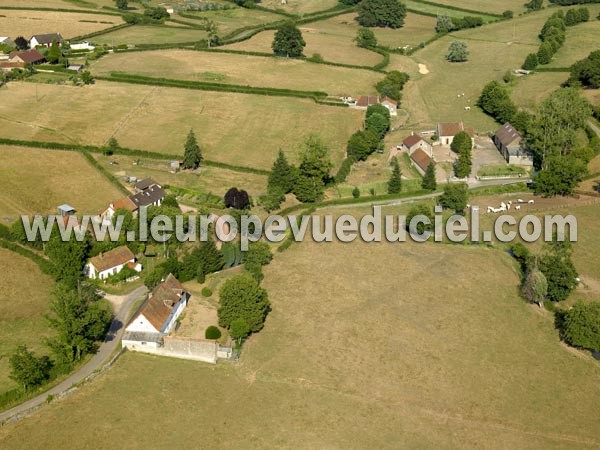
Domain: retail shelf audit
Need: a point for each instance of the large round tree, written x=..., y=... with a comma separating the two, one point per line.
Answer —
x=288, y=41
x=381, y=13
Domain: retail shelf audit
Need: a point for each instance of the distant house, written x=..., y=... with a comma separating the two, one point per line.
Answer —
x=157, y=316
x=150, y=196
x=31, y=56
x=5, y=40
x=512, y=147
x=414, y=142
x=45, y=40
x=391, y=105
x=111, y=263
x=446, y=132
x=7, y=66
x=421, y=160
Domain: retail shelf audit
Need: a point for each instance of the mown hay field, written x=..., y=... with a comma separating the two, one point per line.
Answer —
x=300, y=6
x=529, y=91
x=26, y=292
x=240, y=129
x=241, y=70
x=145, y=34
x=28, y=23
x=36, y=181
x=229, y=20
x=333, y=39
x=427, y=350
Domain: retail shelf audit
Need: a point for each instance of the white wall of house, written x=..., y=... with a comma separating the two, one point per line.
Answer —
x=177, y=310
x=103, y=275
x=142, y=325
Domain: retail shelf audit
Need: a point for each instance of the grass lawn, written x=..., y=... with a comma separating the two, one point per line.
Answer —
x=36, y=181
x=207, y=179
x=582, y=39
x=493, y=49
x=416, y=29
x=26, y=292
x=416, y=5
x=489, y=6
x=529, y=91
x=26, y=23
x=497, y=170
x=229, y=20
x=149, y=34
x=331, y=38
x=402, y=352
x=240, y=69
x=239, y=129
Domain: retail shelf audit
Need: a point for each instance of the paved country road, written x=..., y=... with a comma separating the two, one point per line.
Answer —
x=123, y=306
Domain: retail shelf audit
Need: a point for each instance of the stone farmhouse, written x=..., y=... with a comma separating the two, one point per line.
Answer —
x=31, y=56
x=364, y=101
x=421, y=160
x=512, y=147
x=414, y=143
x=447, y=130
x=111, y=263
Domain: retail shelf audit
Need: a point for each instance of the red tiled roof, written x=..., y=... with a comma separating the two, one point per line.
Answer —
x=412, y=140
x=421, y=159
x=452, y=128
x=389, y=100
x=125, y=203
x=11, y=65
x=28, y=56
x=159, y=304
x=116, y=257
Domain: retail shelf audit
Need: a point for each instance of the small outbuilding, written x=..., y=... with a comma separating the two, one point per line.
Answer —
x=512, y=147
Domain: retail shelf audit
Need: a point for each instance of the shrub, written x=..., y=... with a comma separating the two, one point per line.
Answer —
x=581, y=326
x=212, y=333
x=356, y=192
x=206, y=292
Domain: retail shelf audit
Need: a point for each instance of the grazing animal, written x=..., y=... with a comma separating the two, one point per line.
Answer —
x=531, y=202
x=518, y=207
x=521, y=200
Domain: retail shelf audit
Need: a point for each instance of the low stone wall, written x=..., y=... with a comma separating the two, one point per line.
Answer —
x=182, y=348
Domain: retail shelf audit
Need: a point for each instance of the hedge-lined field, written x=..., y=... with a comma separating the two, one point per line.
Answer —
x=331, y=38
x=300, y=6
x=239, y=69
x=239, y=129
x=36, y=181
x=150, y=34
x=26, y=23
x=581, y=40
x=229, y=20
x=26, y=292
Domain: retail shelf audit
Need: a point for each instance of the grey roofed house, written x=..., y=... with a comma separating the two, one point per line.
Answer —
x=45, y=39
x=146, y=183
x=154, y=195
x=5, y=40
x=510, y=144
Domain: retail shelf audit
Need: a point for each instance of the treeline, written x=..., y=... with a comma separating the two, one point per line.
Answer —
x=124, y=151
x=553, y=35
x=446, y=24
x=586, y=72
x=573, y=2
x=550, y=277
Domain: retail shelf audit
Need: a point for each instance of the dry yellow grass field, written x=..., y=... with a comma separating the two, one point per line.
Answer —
x=36, y=181
x=27, y=23
x=593, y=96
x=300, y=6
x=66, y=4
x=400, y=350
x=239, y=129
x=233, y=19
x=493, y=49
x=25, y=294
x=416, y=29
x=489, y=6
x=240, y=69
x=581, y=40
x=332, y=39
x=140, y=34
x=206, y=179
